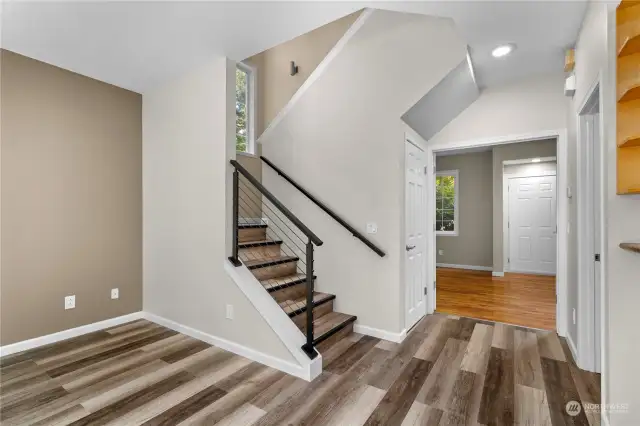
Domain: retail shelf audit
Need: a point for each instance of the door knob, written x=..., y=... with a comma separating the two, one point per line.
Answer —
x=409, y=248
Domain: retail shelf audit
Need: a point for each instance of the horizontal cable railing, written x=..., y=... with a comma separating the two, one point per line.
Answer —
x=326, y=209
x=277, y=247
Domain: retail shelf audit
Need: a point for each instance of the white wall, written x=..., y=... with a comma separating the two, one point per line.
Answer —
x=344, y=141
x=595, y=53
x=525, y=106
x=188, y=128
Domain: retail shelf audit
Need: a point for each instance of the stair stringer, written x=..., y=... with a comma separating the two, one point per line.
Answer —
x=280, y=323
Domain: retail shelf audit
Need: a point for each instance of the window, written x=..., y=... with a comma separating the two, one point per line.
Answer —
x=447, y=203
x=245, y=90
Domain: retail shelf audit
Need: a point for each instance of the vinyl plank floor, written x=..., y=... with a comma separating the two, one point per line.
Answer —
x=449, y=370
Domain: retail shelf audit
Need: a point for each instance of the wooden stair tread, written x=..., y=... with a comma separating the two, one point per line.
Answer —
x=270, y=261
x=251, y=225
x=275, y=284
x=258, y=243
x=298, y=306
x=329, y=324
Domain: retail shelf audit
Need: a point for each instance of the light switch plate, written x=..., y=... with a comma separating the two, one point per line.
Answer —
x=230, y=312
x=115, y=293
x=441, y=252
x=70, y=302
x=372, y=228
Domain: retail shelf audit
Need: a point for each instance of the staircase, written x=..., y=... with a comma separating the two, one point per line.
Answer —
x=280, y=275
x=278, y=249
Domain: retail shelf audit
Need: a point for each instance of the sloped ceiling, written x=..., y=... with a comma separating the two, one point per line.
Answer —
x=452, y=95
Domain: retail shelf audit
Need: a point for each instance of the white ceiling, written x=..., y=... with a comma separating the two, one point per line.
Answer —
x=137, y=45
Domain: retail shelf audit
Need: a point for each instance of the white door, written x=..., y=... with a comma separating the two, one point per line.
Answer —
x=532, y=224
x=416, y=235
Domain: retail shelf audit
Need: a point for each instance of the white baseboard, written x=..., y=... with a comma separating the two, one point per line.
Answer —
x=572, y=348
x=497, y=274
x=470, y=267
x=67, y=334
x=380, y=334
x=236, y=348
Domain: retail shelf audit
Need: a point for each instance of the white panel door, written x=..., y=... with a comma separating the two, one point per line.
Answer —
x=416, y=235
x=532, y=224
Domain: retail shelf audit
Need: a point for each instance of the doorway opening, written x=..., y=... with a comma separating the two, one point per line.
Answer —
x=498, y=216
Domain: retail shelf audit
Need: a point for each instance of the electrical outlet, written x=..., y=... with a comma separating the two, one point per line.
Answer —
x=230, y=312
x=70, y=302
x=372, y=228
x=115, y=293
x=574, y=316
x=441, y=252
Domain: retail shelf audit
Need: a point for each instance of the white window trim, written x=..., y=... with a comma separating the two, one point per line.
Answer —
x=251, y=107
x=456, y=221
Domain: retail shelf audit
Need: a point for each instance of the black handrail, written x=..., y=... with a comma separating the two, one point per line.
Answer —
x=306, y=231
x=326, y=209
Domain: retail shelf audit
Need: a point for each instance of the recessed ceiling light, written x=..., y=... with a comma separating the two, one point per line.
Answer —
x=536, y=160
x=503, y=50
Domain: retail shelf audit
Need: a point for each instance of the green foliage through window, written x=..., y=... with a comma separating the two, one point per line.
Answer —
x=242, y=128
x=445, y=203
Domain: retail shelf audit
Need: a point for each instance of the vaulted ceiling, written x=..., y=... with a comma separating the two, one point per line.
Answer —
x=137, y=45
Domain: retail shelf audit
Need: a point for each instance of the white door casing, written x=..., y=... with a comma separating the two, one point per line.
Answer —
x=532, y=224
x=415, y=234
x=593, y=124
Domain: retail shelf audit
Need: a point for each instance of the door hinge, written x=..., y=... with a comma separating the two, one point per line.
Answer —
x=425, y=170
x=425, y=291
x=597, y=257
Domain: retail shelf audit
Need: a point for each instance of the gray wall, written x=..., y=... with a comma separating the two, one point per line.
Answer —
x=516, y=151
x=473, y=245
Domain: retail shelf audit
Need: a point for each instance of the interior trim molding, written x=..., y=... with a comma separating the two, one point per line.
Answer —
x=236, y=348
x=380, y=334
x=48, y=339
x=470, y=267
x=316, y=73
x=497, y=274
x=573, y=349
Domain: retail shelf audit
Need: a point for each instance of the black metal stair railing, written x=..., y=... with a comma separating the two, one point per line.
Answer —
x=282, y=257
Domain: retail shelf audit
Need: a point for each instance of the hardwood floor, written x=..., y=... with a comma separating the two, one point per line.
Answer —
x=448, y=371
x=527, y=300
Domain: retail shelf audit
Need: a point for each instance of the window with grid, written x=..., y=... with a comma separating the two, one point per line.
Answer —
x=244, y=108
x=447, y=202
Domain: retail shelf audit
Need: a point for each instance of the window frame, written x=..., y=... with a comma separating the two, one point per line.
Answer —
x=456, y=188
x=251, y=107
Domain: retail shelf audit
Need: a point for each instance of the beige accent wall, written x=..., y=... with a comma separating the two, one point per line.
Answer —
x=71, y=193
x=515, y=151
x=473, y=245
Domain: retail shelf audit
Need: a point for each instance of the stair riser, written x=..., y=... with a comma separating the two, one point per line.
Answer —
x=260, y=252
x=301, y=319
x=275, y=271
x=290, y=293
x=342, y=334
x=252, y=234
